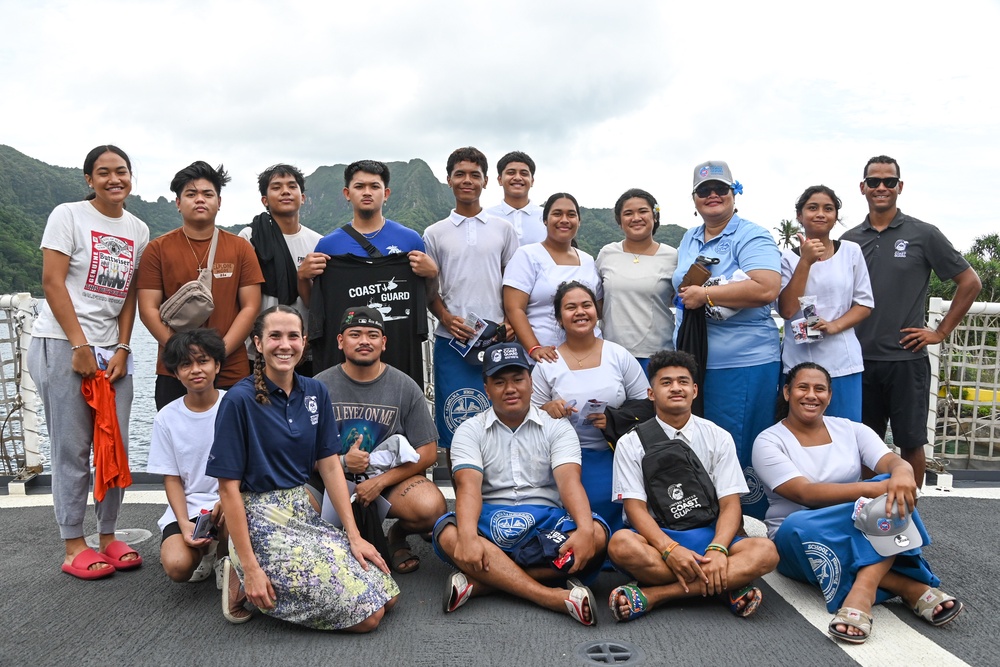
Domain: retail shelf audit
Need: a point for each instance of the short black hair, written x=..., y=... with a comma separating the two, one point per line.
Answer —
x=640, y=194
x=181, y=347
x=368, y=167
x=668, y=358
x=280, y=169
x=195, y=171
x=516, y=156
x=882, y=159
x=467, y=154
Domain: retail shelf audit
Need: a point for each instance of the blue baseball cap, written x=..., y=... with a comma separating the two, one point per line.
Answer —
x=504, y=355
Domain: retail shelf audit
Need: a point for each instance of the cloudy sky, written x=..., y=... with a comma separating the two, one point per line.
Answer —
x=604, y=95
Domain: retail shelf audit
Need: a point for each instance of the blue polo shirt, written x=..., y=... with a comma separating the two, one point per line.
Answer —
x=391, y=239
x=750, y=337
x=274, y=446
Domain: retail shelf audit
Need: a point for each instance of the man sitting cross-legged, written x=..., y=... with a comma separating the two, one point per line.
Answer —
x=374, y=406
x=522, y=520
x=684, y=510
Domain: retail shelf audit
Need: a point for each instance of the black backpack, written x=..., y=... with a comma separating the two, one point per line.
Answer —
x=679, y=493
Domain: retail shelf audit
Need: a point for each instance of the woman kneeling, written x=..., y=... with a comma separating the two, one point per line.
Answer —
x=272, y=429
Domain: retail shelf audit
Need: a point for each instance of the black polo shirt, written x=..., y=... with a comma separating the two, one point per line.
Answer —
x=900, y=259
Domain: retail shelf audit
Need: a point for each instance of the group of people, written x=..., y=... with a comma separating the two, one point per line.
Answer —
x=277, y=474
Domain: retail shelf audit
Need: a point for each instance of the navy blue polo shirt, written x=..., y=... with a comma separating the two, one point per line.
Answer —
x=274, y=446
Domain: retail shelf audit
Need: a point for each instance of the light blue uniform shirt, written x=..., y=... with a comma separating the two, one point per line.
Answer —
x=750, y=337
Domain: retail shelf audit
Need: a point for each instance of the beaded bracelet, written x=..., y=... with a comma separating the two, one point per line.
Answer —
x=74, y=348
x=717, y=547
x=708, y=298
x=123, y=346
x=666, y=552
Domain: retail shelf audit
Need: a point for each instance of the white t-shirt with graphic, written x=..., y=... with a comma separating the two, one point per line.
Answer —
x=103, y=258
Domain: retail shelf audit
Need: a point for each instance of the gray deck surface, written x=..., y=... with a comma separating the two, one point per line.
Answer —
x=141, y=618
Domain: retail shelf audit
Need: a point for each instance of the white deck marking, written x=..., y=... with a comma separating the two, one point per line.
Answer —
x=892, y=641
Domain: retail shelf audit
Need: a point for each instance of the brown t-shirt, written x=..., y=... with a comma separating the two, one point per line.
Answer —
x=168, y=263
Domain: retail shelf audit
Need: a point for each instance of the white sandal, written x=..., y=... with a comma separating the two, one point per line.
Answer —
x=577, y=594
x=932, y=597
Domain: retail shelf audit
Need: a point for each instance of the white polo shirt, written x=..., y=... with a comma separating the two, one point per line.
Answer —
x=516, y=465
x=712, y=444
x=527, y=221
x=471, y=254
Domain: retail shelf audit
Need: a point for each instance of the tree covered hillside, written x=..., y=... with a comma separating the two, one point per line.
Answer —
x=30, y=189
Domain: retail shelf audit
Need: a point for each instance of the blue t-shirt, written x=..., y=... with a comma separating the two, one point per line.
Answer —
x=274, y=446
x=750, y=337
x=391, y=239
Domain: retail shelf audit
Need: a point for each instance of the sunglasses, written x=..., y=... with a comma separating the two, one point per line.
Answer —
x=716, y=188
x=874, y=182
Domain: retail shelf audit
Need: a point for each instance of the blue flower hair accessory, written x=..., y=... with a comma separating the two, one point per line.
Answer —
x=737, y=188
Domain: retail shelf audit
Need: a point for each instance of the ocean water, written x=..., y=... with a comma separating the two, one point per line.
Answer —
x=143, y=402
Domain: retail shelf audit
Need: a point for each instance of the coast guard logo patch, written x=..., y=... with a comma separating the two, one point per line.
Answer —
x=825, y=565
x=756, y=491
x=723, y=247
x=462, y=404
x=901, y=248
x=311, y=405
x=675, y=492
x=508, y=528
x=497, y=355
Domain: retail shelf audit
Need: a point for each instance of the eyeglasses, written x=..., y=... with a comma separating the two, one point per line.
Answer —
x=716, y=188
x=874, y=181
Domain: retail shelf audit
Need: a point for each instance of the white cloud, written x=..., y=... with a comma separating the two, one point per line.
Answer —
x=604, y=96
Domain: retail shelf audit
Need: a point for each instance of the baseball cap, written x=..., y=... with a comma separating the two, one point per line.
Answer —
x=713, y=170
x=542, y=547
x=888, y=535
x=493, y=333
x=503, y=356
x=362, y=316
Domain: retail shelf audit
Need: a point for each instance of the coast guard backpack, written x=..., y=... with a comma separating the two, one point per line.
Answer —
x=679, y=493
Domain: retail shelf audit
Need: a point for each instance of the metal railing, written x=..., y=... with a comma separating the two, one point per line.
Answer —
x=964, y=418
x=19, y=451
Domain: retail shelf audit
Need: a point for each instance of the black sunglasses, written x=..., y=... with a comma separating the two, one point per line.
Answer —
x=717, y=188
x=874, y=181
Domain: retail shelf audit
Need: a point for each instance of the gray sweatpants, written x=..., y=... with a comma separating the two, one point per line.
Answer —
x=71, y=436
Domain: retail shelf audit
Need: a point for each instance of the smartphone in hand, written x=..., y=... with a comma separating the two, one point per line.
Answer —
x=203, y=526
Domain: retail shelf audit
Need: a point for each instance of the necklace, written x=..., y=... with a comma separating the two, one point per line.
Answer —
x=186, y=238
x=579, y=360
x=636, y=255
x=371, y=235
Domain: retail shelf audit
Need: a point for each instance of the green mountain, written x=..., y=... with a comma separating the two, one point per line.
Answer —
x=30, y=189
x=418, y=200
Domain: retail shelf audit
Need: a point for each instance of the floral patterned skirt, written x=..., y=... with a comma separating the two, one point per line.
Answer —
x=317, y=581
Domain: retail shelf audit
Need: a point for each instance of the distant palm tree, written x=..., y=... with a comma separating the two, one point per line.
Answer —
x=787, y=231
